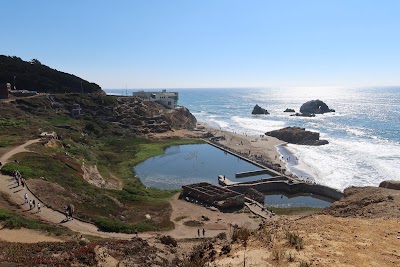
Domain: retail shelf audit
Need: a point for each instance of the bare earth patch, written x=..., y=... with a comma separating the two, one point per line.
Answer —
x=328, y=241
x=25, y=236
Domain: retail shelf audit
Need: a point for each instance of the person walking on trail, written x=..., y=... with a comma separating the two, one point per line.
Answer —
x=38, y=206
x=66, y=213
x=26, y=197
x=22, y=182
x=71, y=210
x=198, y=232
x=30, y=204
x=204, y=232
x=33, y=203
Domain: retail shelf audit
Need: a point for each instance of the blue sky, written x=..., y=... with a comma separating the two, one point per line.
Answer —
x=209, y=43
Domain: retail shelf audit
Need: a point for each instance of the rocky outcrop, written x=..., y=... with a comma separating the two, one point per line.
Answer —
x=297, y=135
x=367, y=202
x=121, y=115
x=390, y=184
x=289, y=110
x=168, y=240
x=259, y=110
x=315, y=107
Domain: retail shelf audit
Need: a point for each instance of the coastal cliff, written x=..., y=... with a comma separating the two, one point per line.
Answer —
x=117, y=115
x=35, y=76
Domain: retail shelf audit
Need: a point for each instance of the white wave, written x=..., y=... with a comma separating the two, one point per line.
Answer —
x=257, y=125
x=220, y=123
x=344, y=163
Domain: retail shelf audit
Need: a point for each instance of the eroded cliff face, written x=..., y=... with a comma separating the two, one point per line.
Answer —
x=120, y=115
x=145, y=117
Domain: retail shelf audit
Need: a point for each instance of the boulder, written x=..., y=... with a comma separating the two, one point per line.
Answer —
x=168, y=240
x=297, y=135
x=259, y=110
x=315, y=107
x=390, y=184
x=289, y=110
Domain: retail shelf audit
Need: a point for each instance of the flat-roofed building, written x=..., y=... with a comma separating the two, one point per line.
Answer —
x=167, y=99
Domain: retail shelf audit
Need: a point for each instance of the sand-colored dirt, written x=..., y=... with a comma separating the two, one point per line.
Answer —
x=328, y=241
x=25, y=236
x=183, y=211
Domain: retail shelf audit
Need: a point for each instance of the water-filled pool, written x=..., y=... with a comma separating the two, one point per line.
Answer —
x=286, y=201
x=187, y=164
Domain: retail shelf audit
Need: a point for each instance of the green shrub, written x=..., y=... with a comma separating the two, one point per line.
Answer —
x=25, y=171
x=193, y=223
x=110, y=225
x=304, y=264
x=240, y=234
x=15, y=221
x=295, y=240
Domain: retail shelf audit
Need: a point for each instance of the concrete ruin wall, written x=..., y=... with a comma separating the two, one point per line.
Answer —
x=214, y=195
x=294, y=188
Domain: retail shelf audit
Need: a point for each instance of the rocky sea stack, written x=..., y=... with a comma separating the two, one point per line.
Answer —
x=289, y=110
x=297, y=135
x=259, y=110
x=315, y=107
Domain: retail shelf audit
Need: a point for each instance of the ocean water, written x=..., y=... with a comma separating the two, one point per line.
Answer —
x=363, y=133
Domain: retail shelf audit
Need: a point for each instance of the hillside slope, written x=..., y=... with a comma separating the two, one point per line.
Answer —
x=35, y=76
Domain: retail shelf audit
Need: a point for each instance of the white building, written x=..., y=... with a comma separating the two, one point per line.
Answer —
x=168, y=99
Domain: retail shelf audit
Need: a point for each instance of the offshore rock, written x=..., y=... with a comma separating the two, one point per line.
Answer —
x=297, y=135
x=289, y=110
x=390, y=184
x=259, y=110
x=315, y=107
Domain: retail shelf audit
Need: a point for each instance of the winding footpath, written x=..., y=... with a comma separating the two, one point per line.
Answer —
x=16, y=194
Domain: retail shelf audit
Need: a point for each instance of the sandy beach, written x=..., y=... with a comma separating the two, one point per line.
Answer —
x=264, y=147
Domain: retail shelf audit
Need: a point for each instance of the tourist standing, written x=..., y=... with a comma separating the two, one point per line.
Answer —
x=26, y=197
x=66, y=213
x=38, y=206
x=30, y=204
x=198, y=232
x=204, y=233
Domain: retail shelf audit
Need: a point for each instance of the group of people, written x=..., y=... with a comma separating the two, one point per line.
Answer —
x=18, y=178
x=69, y=210
x=32, y=203
x=21, y=181
x=198, y=232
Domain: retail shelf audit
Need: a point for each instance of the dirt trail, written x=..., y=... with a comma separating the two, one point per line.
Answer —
x=218, y=223
x=16, y=150
x=16, y=193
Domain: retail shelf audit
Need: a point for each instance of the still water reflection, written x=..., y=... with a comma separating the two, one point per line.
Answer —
x=186, y=164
